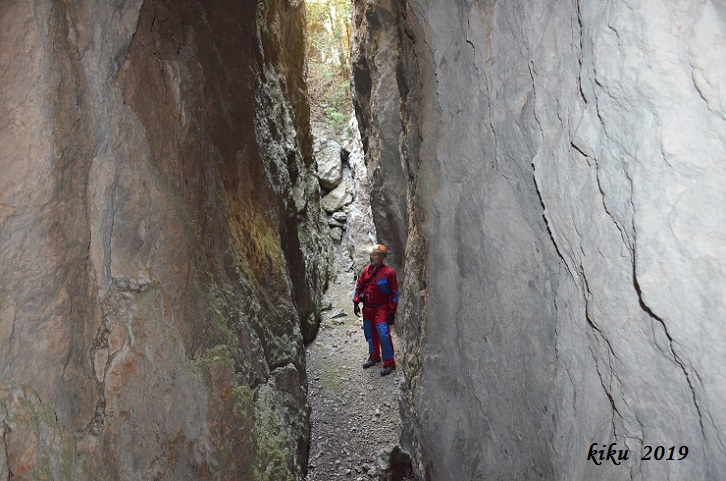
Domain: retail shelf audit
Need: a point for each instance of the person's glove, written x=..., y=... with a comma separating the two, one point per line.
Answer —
x=390, y=318
x=356, y=308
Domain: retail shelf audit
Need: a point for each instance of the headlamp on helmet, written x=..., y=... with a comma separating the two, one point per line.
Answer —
x=378, y=249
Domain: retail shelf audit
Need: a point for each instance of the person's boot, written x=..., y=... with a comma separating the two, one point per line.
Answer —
x=386, y=370
x=371, y=361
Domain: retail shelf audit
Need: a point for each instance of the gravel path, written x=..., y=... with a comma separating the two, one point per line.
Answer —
x=355, y=419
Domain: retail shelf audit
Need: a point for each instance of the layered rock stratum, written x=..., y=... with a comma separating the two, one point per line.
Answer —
x=566, y=240
x=162, y=247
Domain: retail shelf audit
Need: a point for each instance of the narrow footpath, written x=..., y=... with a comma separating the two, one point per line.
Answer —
x=355, y=418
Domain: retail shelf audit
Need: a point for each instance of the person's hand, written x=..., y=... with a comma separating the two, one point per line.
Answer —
x=356, y=308
x=390, y=318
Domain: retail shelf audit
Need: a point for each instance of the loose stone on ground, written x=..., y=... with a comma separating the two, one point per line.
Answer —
x=355, y=419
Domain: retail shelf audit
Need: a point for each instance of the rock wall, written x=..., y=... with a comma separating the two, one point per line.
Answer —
x=350, y=218
x=375, y=79
x=158, y=275
x=566, y=239
x=360, y=233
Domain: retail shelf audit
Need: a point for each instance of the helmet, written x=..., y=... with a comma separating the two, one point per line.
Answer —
x=379, y=249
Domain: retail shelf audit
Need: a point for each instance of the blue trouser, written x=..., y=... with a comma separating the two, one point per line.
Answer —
x=378, y=337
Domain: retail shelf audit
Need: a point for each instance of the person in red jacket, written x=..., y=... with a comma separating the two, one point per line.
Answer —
x=377, y=289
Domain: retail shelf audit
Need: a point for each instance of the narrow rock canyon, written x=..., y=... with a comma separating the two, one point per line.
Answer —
x=548, y=176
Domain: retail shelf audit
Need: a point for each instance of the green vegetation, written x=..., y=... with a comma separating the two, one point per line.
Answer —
x=328, y=53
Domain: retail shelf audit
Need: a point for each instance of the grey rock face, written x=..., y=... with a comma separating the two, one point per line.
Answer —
x=565, y=252
x=340, y=216
x=330, y=166
x=337, y=198
x=336, y=233
x=376, y=97
x=161, y=240
x=360, y=232
x=334, y=223
x=348, y=205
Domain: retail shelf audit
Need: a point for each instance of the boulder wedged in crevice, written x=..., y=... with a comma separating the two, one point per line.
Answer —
x=347, y=205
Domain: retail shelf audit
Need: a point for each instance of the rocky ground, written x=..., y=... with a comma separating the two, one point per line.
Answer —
x=355, y=418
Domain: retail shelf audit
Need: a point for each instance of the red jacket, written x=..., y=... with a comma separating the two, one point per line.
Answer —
x=380, y=292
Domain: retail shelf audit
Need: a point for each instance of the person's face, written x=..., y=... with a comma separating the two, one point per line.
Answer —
x=376, y=258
